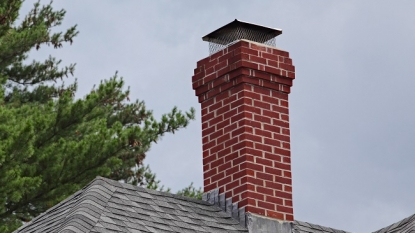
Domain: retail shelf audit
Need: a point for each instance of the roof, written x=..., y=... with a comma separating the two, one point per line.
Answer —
x=109, y=206
x=106, y=205
x=305, y=227
x=405, y=225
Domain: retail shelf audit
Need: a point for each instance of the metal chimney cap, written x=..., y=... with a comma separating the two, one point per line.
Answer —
x=237, y=30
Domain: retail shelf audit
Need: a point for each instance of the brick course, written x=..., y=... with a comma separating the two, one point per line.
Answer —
x=243, y=91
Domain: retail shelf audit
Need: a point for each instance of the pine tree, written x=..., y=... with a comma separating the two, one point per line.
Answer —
x=52, y=144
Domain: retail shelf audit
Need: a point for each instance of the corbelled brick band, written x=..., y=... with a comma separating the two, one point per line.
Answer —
x=244, y=91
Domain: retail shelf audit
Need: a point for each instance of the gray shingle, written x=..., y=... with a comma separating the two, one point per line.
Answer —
x=405, y=225
x=304, y=227
x=109, y=206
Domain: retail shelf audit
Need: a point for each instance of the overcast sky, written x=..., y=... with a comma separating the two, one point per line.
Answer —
x=351, y=107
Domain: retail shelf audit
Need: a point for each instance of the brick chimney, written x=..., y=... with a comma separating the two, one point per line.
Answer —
x=243, y=88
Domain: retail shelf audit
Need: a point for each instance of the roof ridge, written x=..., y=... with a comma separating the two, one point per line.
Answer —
x=88, y=200
x=154, y=192
x=77, y=195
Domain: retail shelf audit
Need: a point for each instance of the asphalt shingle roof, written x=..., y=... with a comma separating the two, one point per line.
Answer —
x=405, y=225
x=305, y=227
x=109, y=206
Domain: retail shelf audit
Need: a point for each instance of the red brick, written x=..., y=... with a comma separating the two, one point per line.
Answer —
x=258, y=59
x=230, y=156
x=218, y=176
x=207, y=188
x=270, y=56
x=286, y=145
x=211, y=172
x=228, y=183
x=254, y=195
x=284, y=117
x=275, y=200
x=252, y=166
x=217, y=162
x=238, y=45
x=273, y=171
x=263, y=133
x=288, y=202
x=274, y=185
x=255, y=181
x=230, y=128
x=252, y=109
x=262, y=119
x=250, y=95
x=250, y=137
x=284, y=209
x=282, y=152
x=223, y=138
x=273, y=63
x=281, y=137
x=288, y=188
x=209, y=159
x=243, y=188
x=255, y=210
x=283, y=194
x=246, y=50
x=206, y=182
x=283, y=166
x=225, y=56
x=287, y=174
x=282, y=180
x=274, y=214
x=241, y=145
x=272, y=142
x=271, y=114
x=238, y=175
x=266, y=205
x=265, y=162
x=266, y=191
x=207, y=117
x=264, y=176
x=232, y=170
x=262, y=104
x=222, y=110
x=263, y=147
x=246, y=201
x=216, y=134
x=285, y=131
x=225, y=166
x=287, y=67
x=217, y=148
x=279, y=109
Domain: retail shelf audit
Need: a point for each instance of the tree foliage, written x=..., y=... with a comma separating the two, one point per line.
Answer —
x=52, y=144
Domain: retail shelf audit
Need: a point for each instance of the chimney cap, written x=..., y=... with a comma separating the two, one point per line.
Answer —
x=237, y=30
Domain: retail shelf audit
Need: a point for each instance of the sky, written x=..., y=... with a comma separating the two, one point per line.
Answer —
x=352, y=113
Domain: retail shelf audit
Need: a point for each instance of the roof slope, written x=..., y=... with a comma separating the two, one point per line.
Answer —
x=305, y=227
x=405, y=225
x=109, y=206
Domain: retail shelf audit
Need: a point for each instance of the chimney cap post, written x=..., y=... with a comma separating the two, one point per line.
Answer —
x=237, y=30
